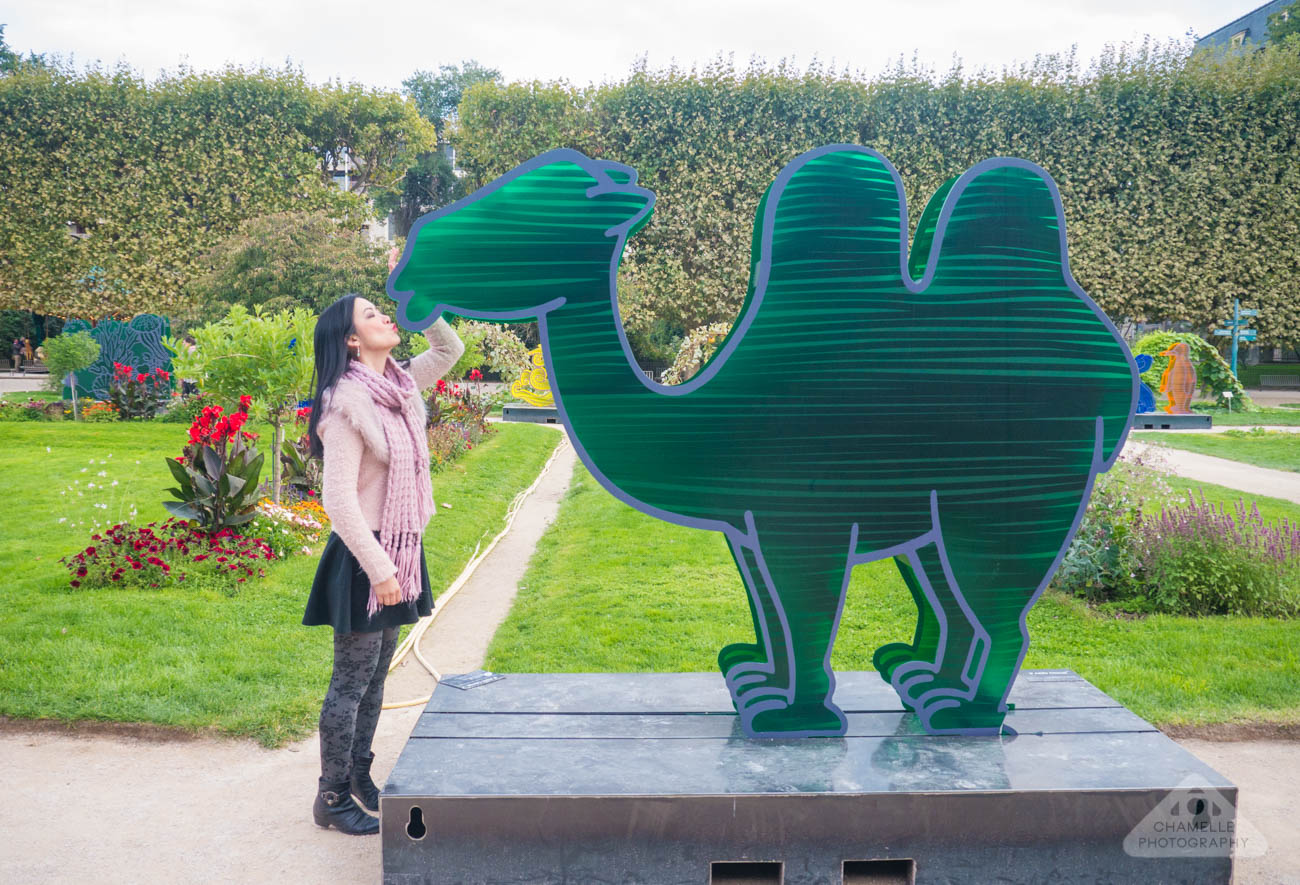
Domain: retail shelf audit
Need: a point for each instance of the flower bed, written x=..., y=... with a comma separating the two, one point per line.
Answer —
x=158, y=555
x=1141, y=550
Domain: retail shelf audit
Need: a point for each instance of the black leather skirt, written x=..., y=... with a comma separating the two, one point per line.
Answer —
x=341, y=590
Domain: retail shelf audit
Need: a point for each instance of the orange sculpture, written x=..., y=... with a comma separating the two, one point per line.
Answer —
x=1179, y=379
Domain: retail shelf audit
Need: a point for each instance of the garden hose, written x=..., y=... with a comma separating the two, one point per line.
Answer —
x=412, y=640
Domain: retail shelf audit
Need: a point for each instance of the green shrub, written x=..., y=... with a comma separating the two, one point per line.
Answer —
x=1199, y=559
x=1213, y=375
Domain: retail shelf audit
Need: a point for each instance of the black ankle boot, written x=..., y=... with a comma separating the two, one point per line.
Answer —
x=334, y=807
x=363, y=788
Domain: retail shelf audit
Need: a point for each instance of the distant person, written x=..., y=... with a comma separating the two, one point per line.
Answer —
x=17, y=354
x=368, y=424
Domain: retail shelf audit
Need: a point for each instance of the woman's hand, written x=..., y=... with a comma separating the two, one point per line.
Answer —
x=388, y=592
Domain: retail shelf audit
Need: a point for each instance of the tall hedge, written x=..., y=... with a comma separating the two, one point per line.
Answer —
x=155, y=173
x=1180, y=173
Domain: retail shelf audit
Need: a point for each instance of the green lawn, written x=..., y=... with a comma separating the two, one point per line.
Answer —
x=1278, y=449
x=611, y=589
x=1262, y=416
x=23, y=396
x=244, y=664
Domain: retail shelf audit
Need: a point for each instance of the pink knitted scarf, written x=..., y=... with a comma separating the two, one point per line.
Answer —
x=409, y=502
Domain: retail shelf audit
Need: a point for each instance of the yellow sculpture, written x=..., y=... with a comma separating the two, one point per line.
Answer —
x=533, y=387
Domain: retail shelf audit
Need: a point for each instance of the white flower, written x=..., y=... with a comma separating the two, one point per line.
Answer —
x=90, y=485
x=47, y=448
x=84, y=469
x=114, y=482
x=102, y=472
x=63, y=519
x=92, y=460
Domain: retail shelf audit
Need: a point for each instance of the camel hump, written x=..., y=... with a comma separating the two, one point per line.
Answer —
x=829, y=225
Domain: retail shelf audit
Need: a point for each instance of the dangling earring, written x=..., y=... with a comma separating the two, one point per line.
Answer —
x=354, y=352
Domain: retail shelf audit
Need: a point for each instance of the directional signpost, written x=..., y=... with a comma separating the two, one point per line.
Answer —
x=1237, y=331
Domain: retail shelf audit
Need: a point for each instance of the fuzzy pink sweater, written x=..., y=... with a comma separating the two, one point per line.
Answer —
x=355, y=472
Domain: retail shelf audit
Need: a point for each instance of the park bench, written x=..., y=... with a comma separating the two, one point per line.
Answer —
x=1275, y=382
x=32, y=367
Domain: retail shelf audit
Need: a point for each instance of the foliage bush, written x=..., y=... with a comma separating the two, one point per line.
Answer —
x=155, y=555
x=32, y=410
x=458, y=420
x=94, y=412
x=1190, y=559
x=184, y=409
x=139, y=394
x=216, y=477
x=290, y=528
x=69, y=352
x=268, y=357
x=1201, y=559
x=1177, y=169
x=697, y=348
x=1213, y=374
x=172, y=166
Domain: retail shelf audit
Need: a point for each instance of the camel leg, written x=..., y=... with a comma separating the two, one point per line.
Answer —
x=995, y=565
x=929, y=632
x=808, y=577
x=750, y=667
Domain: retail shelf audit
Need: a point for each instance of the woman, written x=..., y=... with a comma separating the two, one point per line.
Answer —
x=368, y=422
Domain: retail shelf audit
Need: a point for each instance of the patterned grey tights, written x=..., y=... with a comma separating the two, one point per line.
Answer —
x=356, y=693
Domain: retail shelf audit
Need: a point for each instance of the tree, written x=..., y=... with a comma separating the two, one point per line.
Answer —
x=1284, y=23
x=69, y=353
x=377, y=134
x=431, y=181
x=1178, y=170
x=438, y=96
x=107, y=177
x=266, y=356
x=11, y=61
x=287, y=260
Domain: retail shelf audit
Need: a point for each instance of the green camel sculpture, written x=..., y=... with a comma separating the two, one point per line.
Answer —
x=949, y=408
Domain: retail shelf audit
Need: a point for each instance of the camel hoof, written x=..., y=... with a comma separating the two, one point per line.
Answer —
x=797, y=720
x=944, y=714
x=737, y=654
x=888, y=657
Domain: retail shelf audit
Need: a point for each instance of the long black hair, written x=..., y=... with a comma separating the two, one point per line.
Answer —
x=331, y=340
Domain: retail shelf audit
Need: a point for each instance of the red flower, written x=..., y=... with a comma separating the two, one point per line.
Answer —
x=441, y=386
x=81, y=572
x=201, y=557
x=76, y=583
x=136, y=564
x=245, y=401
x=475, y=375
x=140, y=379
x=165, y=374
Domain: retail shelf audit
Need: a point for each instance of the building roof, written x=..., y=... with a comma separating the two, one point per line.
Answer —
x=1254, y=24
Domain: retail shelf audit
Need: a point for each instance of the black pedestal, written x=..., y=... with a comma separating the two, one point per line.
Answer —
x=566, y=779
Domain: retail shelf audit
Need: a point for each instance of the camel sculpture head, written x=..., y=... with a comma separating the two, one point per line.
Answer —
x=477, y=257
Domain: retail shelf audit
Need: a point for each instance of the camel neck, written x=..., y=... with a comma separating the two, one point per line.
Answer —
x=586, y=354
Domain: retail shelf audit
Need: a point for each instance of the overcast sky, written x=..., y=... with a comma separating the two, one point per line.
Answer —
x=584, y=41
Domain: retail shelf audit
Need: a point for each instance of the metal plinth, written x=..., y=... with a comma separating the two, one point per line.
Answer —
x=646, y=778
x=1163, y=421
x=534, y=414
